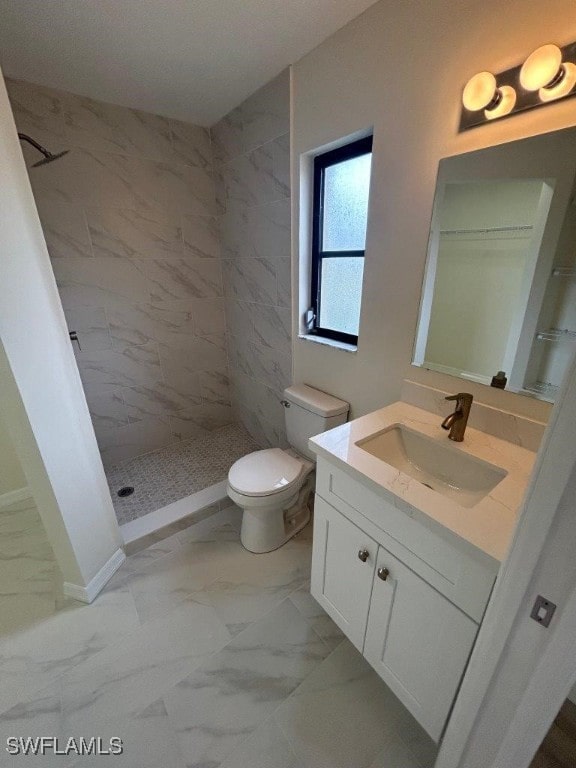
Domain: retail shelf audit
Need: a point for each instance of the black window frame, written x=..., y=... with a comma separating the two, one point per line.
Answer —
x=321, y=162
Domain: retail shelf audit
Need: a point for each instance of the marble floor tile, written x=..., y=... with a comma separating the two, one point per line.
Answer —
x=169, y=580
x=396, y=755
x=37, y=715
x=265, y=748
x=224, y=701
x=321, y=623
x=129, y=676
x=148, y=741
x=359, y=714
x=255, y=584
x=199, y=654
x=37, y=654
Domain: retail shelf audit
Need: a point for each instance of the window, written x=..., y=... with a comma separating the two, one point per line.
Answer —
x=340, y=214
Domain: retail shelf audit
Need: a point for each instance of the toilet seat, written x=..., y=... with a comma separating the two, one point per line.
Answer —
x=265, y=473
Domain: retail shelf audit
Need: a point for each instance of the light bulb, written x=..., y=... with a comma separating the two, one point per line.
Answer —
x=504, y=106
x=543, y=68
x=480, y=92
x=562, y=88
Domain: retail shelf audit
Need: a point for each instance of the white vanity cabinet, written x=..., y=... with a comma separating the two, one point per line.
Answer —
x=387, y=595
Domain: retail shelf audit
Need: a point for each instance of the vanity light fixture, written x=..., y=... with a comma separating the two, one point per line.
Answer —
x=548, y=74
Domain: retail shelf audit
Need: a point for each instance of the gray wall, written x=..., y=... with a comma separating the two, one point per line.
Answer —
x=251, y=156
x=129, y=220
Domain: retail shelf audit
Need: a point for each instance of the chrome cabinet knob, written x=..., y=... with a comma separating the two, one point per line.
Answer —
x=363, y=555
x=383, y=573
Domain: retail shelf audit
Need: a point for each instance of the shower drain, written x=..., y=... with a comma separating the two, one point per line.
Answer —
x=127, y=490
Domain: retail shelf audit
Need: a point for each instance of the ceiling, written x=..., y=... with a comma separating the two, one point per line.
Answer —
x=189, y=59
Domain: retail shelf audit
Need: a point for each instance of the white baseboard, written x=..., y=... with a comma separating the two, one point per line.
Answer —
x=91, y=590
x=20, y=494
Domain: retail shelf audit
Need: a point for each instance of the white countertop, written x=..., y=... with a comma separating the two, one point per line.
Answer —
x=487, y=526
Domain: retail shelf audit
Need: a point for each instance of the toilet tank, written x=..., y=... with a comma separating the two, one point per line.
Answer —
x=309, y=412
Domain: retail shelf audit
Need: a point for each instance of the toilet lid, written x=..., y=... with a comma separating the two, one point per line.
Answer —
x=263, y=473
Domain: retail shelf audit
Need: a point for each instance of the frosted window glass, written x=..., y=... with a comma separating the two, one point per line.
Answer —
x=346, y=187
x=341, y=293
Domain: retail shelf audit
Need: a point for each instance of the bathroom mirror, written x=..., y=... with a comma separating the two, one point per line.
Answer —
x=499, y=290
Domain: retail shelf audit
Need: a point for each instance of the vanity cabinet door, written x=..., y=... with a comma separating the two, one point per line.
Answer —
x=417, y=641
x=343, y=559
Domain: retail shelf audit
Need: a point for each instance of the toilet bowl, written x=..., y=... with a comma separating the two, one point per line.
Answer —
x=275, y=487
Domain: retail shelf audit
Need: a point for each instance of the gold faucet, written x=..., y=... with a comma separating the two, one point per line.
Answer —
x=457, y=421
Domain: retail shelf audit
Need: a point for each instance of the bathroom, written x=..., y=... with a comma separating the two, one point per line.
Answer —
x=178, y=228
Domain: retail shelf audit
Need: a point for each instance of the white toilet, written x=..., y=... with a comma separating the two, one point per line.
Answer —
x=275, y=487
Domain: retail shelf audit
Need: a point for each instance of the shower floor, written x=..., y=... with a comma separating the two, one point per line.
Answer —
x=170, y=474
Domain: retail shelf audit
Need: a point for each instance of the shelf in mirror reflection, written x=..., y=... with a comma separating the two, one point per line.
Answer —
x=564, y=272
x=556, y=334
x=543, y=389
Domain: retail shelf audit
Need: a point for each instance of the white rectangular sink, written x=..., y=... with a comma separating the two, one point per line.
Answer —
x=441, y=467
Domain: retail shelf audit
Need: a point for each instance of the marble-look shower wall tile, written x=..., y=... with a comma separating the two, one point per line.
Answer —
x=134, y=198
x=91, y=325
x=252, y=148
x=234, y=231
x=209, y=317
x=193, y=355
x=96, y=281
x=250, y=179
x=281, y=159
x=191, y=144
x=97, y=125
x=126, y=233
x=118, y=444
x=38, y=111
x=130, y=323
x=158, y=400
x=200, y=419
x=179, y=279
x=250, y=280
x=107, y=408
x=266, y=114
x=269, y=228
x=272, y=327
x=200, y=236
x=284, y=282
x=272, y=367
x=219, y=190
x=189, y=189
x=65, y=229
x=125, y=366
x=141, y=323
x=239, y=320
x=215, y=387
x=266, y=402
x=227, y=136
x=90, y=177
x=259, y=231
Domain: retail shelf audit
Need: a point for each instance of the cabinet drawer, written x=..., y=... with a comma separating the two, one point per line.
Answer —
x=464, y=577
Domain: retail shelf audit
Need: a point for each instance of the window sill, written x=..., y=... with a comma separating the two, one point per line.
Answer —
x=328, y=342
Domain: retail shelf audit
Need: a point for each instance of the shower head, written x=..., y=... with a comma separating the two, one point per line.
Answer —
x=48, y=156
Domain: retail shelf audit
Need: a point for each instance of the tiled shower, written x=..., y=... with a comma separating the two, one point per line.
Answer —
x=170, y=245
